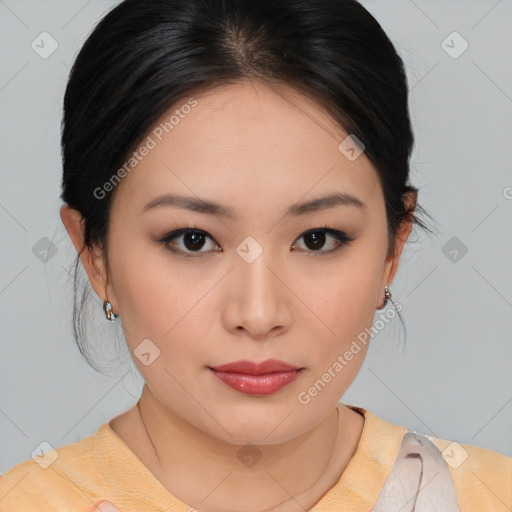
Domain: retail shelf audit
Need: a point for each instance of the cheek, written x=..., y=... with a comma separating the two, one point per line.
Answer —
x=344, y=299
x=145, y=295
x=161, y=302
x=148, y=291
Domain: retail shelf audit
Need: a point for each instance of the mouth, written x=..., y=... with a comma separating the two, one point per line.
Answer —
x=254, y=378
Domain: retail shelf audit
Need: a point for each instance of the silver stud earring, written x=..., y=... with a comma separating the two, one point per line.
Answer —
x=107, y=307
x=387, y=296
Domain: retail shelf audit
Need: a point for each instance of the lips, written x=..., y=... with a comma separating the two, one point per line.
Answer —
x=253, y=368
x=253, y=378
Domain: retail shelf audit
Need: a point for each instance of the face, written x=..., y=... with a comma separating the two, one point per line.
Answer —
x=198, y=289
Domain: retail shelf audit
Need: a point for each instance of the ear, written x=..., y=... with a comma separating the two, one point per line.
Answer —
x=92, y=259
x=403, y=232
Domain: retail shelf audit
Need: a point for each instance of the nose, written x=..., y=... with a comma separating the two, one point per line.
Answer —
x=258, y=298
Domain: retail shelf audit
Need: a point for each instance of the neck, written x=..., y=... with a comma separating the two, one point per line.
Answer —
x=218, y=476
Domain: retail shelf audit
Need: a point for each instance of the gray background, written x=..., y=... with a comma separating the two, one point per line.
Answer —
x=451, y=379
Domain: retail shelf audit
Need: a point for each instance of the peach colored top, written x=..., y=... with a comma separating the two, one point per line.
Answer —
x=101, y=474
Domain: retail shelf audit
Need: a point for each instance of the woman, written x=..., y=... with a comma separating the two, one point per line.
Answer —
x=236, y=186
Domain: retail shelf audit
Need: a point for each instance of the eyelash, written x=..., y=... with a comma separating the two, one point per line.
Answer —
x=340, y=236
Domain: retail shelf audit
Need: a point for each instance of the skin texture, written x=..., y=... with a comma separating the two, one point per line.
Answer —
x=258, y=150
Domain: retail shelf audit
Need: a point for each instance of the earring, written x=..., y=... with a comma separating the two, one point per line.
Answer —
x=107, y=307
x=387, y=296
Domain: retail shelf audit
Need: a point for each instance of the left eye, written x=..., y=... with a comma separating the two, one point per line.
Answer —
x=193, y=240
x=315, y=239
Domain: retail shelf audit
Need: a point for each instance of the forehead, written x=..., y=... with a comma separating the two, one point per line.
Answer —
x=248, y=145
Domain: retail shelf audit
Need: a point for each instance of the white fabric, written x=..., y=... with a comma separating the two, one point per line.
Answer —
x=420, y=480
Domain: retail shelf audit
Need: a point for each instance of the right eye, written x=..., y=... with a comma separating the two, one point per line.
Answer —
x=192, y=240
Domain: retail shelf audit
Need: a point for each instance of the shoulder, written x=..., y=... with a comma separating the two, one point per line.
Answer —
x=482, y=477
x=52, y=480
x=472, y=477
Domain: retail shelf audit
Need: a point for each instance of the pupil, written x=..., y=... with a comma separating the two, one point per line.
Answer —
x=318, y=240
x=194, y=239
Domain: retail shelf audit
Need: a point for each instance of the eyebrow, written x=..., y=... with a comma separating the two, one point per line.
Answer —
x=212, y=208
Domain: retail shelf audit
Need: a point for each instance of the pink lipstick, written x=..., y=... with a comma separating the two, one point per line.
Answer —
x=255, y=378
